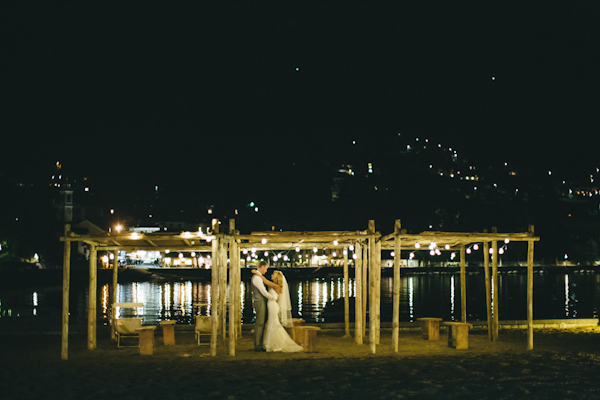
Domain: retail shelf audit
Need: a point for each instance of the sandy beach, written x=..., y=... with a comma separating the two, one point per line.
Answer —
x=564, y=364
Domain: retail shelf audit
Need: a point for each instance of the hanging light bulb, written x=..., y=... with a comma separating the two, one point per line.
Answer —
x=275, y=258
x=507, y=241
x=334, y=254
x=354, y=256
x=431, y=252
x=447, y=247
x=475, y=247
x=263, y=241
x=245, y=251
x=433, y=245
x=248, y=258
x=491, y=250
x=266, y=253
x=253, y=249
x=297, y=249
x=468, y=251
x=393, y=254
x=351, y=247
x=344, y=252
x=411, y=255
x=417, y=246
x=335, y=242
x=501, y=250
x=285, y=257
x=315, y=249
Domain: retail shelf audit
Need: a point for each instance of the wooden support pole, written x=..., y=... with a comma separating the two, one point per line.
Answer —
x=358, y=295
x=488, y=287
x=365, y=292
x=113, y=295
x=396, y=288
x=463, y=284
x=214, y=290
x=234, y=287
x=64, y=350
x=377, y=274
x=495, y=288
x=530, y=291
x=93, y=284
x=372, y=290
x=346, y=295
x=223, y=290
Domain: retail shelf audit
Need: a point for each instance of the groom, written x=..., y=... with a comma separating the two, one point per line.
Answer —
x=259, y=302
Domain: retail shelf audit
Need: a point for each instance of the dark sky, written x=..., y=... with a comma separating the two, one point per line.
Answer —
x=147, y=91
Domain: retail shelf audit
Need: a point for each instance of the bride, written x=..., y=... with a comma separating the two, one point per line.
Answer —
x=279, y=311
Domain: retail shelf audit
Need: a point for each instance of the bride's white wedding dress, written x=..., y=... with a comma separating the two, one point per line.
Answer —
x=276, y=337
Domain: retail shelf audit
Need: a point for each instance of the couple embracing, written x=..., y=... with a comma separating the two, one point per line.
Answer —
x=274, y=307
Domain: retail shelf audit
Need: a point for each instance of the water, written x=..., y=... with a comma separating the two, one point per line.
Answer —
x=556, y=295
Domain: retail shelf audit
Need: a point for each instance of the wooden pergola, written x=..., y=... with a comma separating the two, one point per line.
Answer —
x=367, y=246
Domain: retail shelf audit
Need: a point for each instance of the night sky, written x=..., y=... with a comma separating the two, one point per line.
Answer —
x=190, y=95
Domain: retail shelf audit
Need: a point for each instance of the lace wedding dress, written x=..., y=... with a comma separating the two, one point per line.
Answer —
x=276, y=337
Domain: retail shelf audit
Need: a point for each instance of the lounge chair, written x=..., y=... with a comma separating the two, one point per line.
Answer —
x=126, y=327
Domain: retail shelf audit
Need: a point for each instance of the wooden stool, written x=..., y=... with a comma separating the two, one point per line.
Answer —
x=430, y=328
x=168, y=328
x=296, y=324
x=458, y=334
x=146, y=340
x=308, y=338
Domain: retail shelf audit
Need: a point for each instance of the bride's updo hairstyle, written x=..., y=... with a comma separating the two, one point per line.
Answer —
x=277, y=277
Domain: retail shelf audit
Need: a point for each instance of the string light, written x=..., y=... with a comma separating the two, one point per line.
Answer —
x=354, y=256
x=297, y=249
x=417, y=246
x=263, y=241
x=351, y=247
x=411, y=255
x=491, y=250
x=393, y=254
x=468, y=251
x=334, y=254
x=245, y=251
x=431, y=252
x=507, y=240
x=335, y=242
x=315, y=249
x=475, y=247
x=344, y=252
x=266, y=253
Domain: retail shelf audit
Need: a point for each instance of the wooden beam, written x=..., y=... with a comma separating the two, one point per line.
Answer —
x=530, y=291
x=214, y=292
x=64, y=350
x=496, y=289
x=396, y=287
x=115, y=279
x=463, y=285
x=488, y=287
x=346, y=295
x=358, y=295
x=92, y=295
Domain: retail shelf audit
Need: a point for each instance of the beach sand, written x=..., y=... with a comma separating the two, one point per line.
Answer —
x=565, y=364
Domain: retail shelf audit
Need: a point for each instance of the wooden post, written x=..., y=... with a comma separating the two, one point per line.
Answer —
x=495, y=315
x=223, y=289
x=346, y=295
x=93, y=284
x=365, y=292
x=234, y=287
x=488, y=287
x=64, y=350
x=358, y=295
x=463, y=284
x=372, y=290
x=396, y=296
x=377, y=275
x=214, y=289
x=115, y=280
x=530, y=244
x=238, y=299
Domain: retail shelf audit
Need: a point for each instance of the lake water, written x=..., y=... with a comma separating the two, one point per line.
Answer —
x=556, y=295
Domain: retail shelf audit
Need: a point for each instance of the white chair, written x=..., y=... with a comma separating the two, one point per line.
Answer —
x=126, y=327
x=203, y=328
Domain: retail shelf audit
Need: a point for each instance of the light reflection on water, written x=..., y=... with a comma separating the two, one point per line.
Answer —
x=556, y=295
